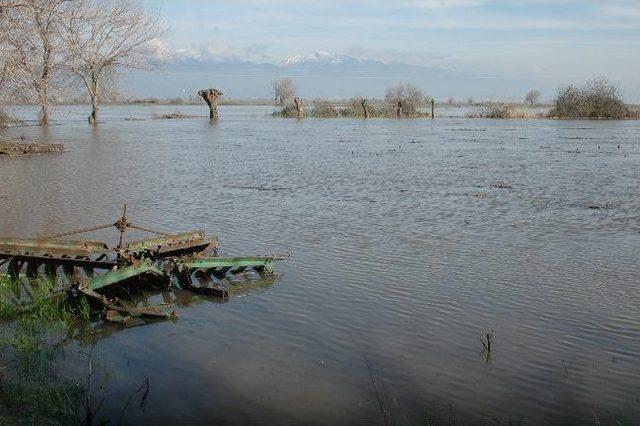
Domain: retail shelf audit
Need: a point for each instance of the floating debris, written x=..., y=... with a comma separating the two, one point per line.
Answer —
x=500, y=184
x=595, y=206
x=174, y=116
x=187, y=261
x=479, y=194
x=20, y=146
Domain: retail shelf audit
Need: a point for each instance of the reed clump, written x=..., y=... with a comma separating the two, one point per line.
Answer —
x=354, y=108
x=503, y=110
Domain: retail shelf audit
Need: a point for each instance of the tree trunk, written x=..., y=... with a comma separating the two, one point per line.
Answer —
x=93, y=118
x=211, y=97
x=399, y=110
x=43, y=88
x=44, y=114
x=365, y=108
x=298, y=103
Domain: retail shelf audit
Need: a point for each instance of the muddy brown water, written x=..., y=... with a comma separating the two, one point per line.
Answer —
x=409, y=241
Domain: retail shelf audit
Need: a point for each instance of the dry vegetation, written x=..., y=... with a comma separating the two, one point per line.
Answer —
x=502, y=110
x=51, y=47
x=403, y=101
x=595, y=99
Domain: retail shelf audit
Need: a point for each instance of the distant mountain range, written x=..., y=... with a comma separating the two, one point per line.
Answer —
x=320, y=74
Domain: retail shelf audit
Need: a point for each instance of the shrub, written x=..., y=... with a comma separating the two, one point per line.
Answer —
x=410, y=96
x=595, y=99
x=323, y=108
x=501, y=110
x=288, y=111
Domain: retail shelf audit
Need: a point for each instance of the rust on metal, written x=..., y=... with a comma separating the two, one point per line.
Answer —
x=163, y=261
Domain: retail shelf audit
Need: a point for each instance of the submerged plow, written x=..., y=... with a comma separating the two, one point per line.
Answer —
x=188, y=261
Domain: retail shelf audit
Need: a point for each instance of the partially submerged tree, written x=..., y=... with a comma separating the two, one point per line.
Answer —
x=597, y=98
x=211, y=97
x=32, y=51
x=103, y=36
x=404, y=99
x=532, y=97
x=284, y=91
x=299, y=107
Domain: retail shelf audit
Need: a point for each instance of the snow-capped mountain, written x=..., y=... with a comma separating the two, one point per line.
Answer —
x=314, y=58
x=319, y=74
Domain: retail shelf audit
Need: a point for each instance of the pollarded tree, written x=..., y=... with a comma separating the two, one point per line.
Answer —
x=532, y=97
x=103, y=36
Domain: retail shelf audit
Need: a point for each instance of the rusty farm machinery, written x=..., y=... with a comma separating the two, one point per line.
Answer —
x=188, y=261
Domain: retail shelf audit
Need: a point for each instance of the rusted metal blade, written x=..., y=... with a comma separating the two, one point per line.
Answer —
x=62, y=260
x=260, y=262
x=51, y=269
x=238, y=270
x=220, y=273
x=15, y=246
x=32, y=269
x=15, y=265
x=189, y=242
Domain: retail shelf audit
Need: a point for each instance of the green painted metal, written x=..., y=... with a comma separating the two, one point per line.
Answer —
x=57, y=260
x=121, y=274
x=72, y=248
x=263, y=262
x=174, y=242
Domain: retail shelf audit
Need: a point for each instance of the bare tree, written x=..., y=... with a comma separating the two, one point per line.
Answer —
x=405, y=99
x=103, y=36
x=532, y=97
x=284, y=91
x=32, y=50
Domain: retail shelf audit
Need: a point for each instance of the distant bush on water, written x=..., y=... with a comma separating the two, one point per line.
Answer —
x=502, y=110
x=595, y=99
x=323, y=108
x=354, y=108
x=288, y=111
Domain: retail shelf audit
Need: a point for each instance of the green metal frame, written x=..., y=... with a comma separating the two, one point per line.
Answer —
x=265, y=263
x=124, y=273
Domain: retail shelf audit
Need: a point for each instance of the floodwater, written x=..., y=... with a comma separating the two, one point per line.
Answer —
x=409, y=241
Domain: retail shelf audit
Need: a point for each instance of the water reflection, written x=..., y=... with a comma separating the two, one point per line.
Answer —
x=395, y=259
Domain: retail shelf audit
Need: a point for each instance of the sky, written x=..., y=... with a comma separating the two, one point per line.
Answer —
x=552, y=42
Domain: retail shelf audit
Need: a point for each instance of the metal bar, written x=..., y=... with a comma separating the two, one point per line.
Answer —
x=79, y=231
x=19, y=245
x=122, y=274
x=99, y=264
x=165, y=243
x=233, y=262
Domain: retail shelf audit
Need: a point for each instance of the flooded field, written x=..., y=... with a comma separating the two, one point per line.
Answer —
x=409, y=241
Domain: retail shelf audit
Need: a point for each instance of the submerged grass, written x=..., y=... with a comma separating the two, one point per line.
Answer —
x=35, y=318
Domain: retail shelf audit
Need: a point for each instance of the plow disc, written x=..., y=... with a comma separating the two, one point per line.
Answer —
x=187, y=260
